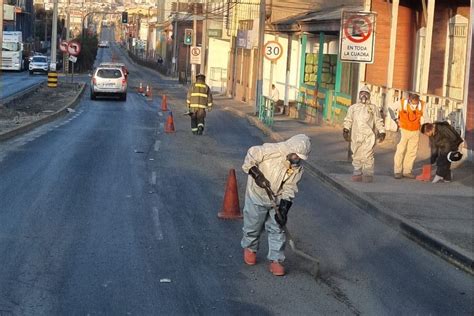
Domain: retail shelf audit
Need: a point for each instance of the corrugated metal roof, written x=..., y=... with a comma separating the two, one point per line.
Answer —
x=294, y=23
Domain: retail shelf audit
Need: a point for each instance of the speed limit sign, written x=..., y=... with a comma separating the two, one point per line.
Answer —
x=273, y=50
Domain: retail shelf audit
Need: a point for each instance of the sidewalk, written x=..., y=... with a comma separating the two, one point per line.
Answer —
x=438, y=216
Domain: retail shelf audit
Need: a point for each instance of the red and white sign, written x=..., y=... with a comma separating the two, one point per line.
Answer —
x=195, y=55
x=74, y=48
x=272, y=50
x=63, y=46
x=357, y=37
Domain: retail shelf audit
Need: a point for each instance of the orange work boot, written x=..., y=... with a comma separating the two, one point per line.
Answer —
x=250, y=257
x=276, y=268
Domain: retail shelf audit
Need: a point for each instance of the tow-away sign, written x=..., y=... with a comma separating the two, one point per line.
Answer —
x=357, y=37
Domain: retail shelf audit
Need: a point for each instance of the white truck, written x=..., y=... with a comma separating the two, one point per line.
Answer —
x=12, y=51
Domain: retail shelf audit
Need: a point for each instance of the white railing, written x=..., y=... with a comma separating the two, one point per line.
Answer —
x=439, y=108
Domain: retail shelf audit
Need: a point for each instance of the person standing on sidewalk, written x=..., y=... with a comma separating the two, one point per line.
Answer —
x=444, y=143
x=275, y=166
x=360, y=126
x=409, y=114
x=199, y=100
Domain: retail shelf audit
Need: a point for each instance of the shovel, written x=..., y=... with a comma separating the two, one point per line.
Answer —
x=315, y=270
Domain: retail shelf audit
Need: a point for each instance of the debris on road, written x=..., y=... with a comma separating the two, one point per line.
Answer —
x=165, y=280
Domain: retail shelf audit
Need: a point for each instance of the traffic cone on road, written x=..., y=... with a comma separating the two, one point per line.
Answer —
x=149, y=93
x=425, y=173
x=140, y=88
x=169, y=127
x=164, y=103
x=230, y=207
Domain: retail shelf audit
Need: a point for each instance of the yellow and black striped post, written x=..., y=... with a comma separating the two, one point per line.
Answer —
x=52, y=79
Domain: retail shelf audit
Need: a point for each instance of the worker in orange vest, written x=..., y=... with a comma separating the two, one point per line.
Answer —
x=409, y=114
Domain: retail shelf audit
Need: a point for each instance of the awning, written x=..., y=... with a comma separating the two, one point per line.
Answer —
x=327, y=20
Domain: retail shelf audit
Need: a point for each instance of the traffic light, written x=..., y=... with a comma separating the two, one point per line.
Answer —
x=188, y=37
x=124, y=17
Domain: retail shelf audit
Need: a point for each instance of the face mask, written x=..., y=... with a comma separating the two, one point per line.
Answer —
x=294, y=160
x=363, y=98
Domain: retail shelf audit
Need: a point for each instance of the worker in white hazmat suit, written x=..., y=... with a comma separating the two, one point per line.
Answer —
x=277, y=166
x=360, y=126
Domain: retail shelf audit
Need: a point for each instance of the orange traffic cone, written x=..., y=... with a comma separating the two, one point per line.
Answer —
x=140, y=88
x=164, y=103
x=169, y=127
x=149, y=93
x=425, y=174
x=230, y=207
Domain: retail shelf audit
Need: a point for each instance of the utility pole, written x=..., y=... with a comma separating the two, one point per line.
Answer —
x=204, y=41
x=175, y=35
x=193, y=66
x=1, y=35
x=54, y=36
x=68, y=24
x=261, y=38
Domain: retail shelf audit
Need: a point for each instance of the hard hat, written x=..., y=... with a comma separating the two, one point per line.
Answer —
x=201, y=76
x=365, y=89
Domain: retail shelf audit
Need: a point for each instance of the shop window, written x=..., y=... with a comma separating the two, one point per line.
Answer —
x=328, y=73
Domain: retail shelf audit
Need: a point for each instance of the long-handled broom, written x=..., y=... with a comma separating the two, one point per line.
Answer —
x=315, y=270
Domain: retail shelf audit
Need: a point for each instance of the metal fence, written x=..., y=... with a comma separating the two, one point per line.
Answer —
x=266, y=111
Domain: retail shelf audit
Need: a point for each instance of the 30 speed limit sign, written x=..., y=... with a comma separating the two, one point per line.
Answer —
x=273, y=50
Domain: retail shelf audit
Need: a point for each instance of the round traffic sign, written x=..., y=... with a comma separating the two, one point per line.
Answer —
x=74, y=48
x=358, y=28
x=63, y=46
x=196, y=51
x=272, y=50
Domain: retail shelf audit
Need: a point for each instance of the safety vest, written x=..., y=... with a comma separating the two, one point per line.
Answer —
x=410, y=119
x=199, y=96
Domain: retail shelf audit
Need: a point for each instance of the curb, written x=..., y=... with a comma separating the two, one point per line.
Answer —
x=414, y=232
x=28, y=127
x=17, y=96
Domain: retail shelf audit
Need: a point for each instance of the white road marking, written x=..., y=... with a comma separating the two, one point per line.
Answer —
x=156, y=220
x=157, y=145
x=153, y=178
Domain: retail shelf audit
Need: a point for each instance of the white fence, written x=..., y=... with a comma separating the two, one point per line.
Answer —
x=439, y=108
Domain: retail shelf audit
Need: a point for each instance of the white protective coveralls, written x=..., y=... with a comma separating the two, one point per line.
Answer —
x=271, y=159
x=362, y=120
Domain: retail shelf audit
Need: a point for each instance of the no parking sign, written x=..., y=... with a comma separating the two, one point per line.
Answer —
x=357, y=37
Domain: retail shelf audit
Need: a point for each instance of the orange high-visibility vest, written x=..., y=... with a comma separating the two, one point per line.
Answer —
x=410, y=119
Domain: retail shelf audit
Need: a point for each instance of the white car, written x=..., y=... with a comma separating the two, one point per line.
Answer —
x=103, y=44
x=39, y=64
x=107, y=81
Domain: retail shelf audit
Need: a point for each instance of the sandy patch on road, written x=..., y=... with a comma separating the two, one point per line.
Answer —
x=36, y=105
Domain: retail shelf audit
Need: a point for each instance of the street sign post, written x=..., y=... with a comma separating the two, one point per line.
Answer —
x=272, y=50
x=195, y=55
x=357, y=39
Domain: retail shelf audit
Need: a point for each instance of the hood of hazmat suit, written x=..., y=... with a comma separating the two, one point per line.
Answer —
x=271, y=159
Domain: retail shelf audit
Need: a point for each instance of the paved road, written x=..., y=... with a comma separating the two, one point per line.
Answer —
x=14, y=82
x=103, y=213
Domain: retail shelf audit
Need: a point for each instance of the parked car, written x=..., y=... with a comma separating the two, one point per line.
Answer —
x=39, y=64
x=116, y=65
x=108, y=81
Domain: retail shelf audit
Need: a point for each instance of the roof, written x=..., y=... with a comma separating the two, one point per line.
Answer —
x=327, y=20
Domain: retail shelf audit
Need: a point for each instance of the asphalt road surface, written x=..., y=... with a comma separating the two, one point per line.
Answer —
x=13, y=82
x=102, y=213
